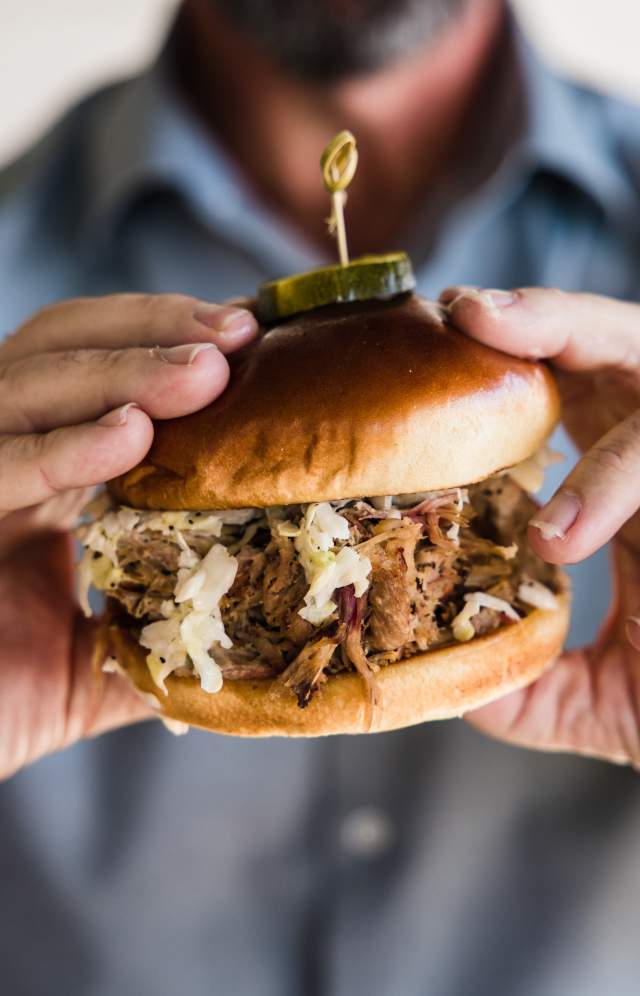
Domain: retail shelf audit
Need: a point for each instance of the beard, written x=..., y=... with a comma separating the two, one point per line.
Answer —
x=327, y=40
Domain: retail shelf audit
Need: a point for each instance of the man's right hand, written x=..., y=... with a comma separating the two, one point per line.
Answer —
x=79, y=385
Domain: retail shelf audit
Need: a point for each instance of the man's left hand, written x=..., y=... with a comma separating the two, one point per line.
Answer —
x=589, y=702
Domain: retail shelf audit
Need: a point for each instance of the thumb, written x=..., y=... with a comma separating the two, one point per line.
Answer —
x=598, y=497
x=577, y=332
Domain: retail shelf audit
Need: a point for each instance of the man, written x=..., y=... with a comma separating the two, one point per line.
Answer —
x=425, y=861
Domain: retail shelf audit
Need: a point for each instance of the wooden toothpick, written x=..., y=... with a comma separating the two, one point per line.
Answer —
x=339, y=162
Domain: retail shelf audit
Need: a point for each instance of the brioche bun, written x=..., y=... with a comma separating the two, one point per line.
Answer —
x=350, y=400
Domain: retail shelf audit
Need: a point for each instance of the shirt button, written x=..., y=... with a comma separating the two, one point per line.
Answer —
x=366, y=832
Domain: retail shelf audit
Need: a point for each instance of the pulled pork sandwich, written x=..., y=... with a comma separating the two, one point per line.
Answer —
x=338, y=543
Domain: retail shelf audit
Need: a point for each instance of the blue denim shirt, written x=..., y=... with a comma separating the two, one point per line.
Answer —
x=424, y=861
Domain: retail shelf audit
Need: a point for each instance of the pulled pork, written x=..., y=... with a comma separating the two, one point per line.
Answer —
x=424, y=559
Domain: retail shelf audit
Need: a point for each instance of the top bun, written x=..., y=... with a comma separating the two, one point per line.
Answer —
x=350, y=400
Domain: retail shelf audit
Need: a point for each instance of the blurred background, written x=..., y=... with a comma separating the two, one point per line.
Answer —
x=51, y=53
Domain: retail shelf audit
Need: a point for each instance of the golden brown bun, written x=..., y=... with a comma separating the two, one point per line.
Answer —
x=434, y=685
x=350, y=400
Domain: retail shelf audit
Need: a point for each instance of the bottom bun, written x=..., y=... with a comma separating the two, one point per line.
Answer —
x=438, y=684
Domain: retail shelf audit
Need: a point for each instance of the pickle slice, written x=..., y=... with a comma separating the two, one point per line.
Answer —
x=363, y=279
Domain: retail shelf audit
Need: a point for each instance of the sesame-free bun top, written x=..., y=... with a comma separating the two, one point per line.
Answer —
x=347, y=401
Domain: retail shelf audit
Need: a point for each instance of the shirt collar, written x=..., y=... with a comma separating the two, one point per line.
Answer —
x=567, y=134
x=147, y=138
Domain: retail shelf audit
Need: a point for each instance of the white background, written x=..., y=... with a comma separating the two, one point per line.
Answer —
x=53, y=50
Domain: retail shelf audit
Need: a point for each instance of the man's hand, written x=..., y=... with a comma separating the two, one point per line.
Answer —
x=79, y=385
x=589, y=702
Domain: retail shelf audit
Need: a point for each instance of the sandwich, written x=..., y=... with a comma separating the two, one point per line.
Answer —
x=338, y=543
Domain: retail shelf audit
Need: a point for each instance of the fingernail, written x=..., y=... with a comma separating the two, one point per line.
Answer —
x=227, y=321
x=119, y=416
x=556, y=519
x=632, y=629
x=450, y=294
x=492, y=301
x=187, y=354
x=500, y=298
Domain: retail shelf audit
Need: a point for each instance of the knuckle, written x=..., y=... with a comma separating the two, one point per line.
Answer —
x=607, y=457
x=612, y=456
x=553, y=297
x=71, y=357
x=77, y=362
x=619, y=452
x=104, y=362
x=110, y=361
x=32, y=451
x=176, y=302
x=614, y=460
x=165, y=311
x=180, y=308
x=15, y=393
x=45, y=452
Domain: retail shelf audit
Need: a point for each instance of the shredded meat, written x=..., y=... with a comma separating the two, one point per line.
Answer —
x=149, y=557
x=245, y=590
x=140, y=603
x=306, y=672
x=149, y=563
x=256, y=670
x=423, y=561
x=502, y=509
x=393, y=574
x=260, y=610
x=363, y=665
x=390, y=619
x=283, y=582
